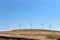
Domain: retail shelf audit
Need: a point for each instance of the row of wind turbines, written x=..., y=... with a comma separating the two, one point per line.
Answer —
x=31, y=26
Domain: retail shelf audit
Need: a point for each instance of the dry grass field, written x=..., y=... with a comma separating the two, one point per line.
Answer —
x=33, y=34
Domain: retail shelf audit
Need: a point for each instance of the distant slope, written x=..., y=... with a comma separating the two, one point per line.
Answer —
x=31, y=33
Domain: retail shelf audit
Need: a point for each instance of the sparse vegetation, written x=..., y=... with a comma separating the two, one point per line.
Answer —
x=31, y=34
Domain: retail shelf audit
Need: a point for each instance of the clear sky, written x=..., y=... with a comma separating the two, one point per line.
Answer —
x=14, y=12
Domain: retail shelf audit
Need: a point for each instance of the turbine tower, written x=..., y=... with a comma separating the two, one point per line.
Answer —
x=20, y=26
x=42, y=25
x=31, y=25
x=8, y=28
x=50, y=26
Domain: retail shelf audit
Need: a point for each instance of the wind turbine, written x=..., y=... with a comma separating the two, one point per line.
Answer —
x=31, y=25
x=8, y=28
x=20, y=25
x=50, y=26
x=42, y=25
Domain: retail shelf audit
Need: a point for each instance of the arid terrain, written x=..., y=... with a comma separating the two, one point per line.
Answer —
x=32, y=34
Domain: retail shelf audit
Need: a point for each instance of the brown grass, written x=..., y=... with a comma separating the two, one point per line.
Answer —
x=33, y=34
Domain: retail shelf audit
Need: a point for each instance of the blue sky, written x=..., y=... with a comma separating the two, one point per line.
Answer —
x=14, y=12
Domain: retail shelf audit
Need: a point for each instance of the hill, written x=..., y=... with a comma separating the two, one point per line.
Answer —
x=32, y=34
